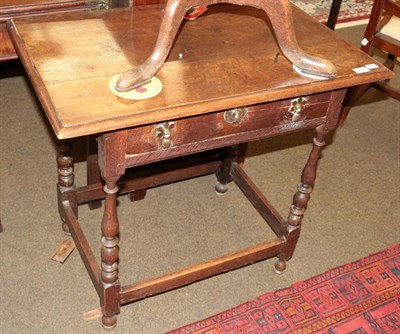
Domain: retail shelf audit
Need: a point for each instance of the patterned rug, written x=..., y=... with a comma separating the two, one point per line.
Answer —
x=352, y=12
x=362, y=297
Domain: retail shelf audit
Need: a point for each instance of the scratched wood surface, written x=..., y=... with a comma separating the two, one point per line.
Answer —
x=229, y=58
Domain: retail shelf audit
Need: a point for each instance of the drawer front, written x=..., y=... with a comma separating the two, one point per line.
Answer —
x=230, y=126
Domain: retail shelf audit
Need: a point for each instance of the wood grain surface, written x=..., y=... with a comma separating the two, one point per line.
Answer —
x=226, y=58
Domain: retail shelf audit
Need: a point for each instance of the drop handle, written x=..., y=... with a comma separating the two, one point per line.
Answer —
x=163, y=132
x=296, y=107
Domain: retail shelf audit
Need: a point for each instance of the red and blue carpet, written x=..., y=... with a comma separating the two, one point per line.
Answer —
x=362, y=297
x=352, y=12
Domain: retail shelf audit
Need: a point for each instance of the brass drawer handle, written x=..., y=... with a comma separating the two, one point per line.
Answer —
x=163, y=131
x=296, y=106
x=234, y=116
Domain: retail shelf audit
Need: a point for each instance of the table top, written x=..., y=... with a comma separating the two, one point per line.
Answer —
x=226, y=58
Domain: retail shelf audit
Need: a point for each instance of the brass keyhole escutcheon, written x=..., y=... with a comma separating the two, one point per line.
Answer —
x=163, y=132
x=234, y=116
x=296, y=106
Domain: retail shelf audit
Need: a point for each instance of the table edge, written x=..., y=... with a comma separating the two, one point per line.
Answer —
x=63, y=132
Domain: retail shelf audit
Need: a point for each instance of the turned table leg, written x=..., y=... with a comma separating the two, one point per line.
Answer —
x=109, y=257
x=228, y=156
x=65, y=168
x=224, y=172
x=300, y=200
x=93, y=175
x=111, y=151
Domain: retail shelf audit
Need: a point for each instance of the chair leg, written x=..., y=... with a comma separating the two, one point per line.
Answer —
x=389, y=62
x=388, y=89
x=334, y=14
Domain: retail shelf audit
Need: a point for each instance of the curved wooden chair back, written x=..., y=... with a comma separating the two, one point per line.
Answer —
x=383, y=33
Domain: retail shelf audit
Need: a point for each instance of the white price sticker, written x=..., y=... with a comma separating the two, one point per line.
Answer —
x=359, y=70
x=372, y=66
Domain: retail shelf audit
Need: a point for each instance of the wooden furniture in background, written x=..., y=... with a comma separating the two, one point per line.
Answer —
x=334, y=14
x=382, y=33
x=15, y=8
x=147, y=2
x=220, y=91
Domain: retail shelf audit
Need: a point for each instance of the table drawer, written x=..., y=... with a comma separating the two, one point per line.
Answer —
x=230, y=126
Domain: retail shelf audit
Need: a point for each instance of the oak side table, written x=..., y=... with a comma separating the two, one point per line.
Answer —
x=225, y=83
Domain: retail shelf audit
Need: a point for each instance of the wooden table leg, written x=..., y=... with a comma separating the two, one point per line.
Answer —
x=111, y=150
x=65, y=167
x=229, y=155
x=110, y=300
x=291, y=230
x=93, y=175
x=223, y=174
x=1, y=227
